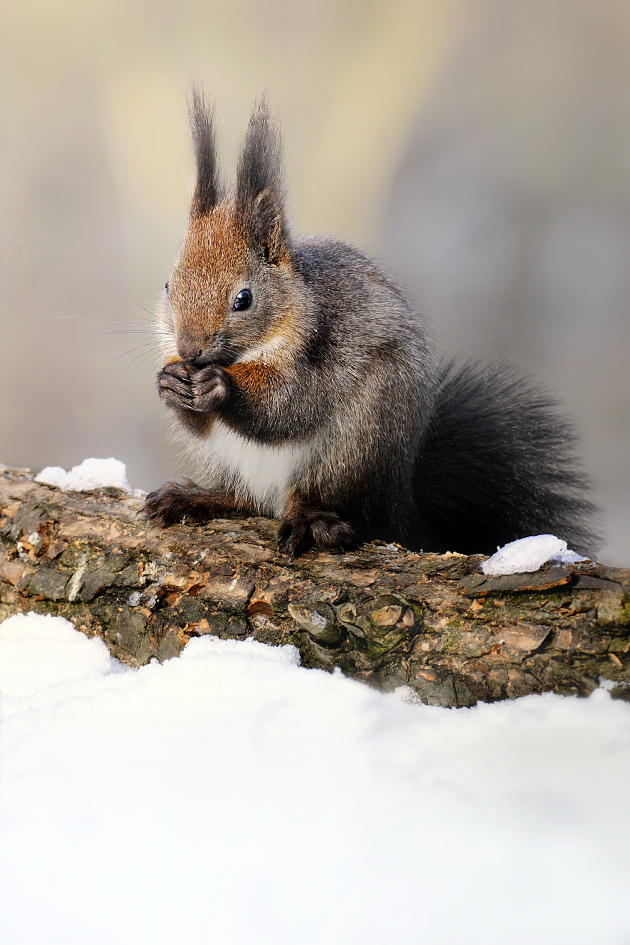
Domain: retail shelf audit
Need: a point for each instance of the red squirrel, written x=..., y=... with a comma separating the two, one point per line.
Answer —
x=306, y=388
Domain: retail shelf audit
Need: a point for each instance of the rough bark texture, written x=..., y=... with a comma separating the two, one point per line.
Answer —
x=381, y=614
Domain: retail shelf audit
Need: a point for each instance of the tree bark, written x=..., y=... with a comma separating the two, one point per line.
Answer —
x=433, y=623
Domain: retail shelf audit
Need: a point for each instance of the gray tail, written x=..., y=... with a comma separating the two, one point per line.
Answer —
x=499, y=463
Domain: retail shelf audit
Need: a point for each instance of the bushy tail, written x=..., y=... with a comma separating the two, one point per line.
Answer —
x=499, y=463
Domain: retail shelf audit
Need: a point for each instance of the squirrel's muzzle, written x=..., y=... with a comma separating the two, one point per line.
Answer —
x=221, y=351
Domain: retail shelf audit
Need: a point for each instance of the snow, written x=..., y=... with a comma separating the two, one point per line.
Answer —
x=232, y=796
x=529, y=554
x=39, y=651
x=89, y=475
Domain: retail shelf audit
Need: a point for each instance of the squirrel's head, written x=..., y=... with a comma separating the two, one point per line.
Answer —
x=234, y=282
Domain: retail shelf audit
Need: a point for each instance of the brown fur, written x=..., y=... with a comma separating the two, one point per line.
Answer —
x=216, y=246
x=255, y=379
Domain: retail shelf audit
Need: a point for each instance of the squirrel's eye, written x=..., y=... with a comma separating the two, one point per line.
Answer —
x=243, y=300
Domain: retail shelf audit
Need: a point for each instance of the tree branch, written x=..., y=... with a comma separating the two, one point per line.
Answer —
x=381, y=614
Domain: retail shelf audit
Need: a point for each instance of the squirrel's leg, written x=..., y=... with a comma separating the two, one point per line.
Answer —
x=305, y=523
x=178, y=501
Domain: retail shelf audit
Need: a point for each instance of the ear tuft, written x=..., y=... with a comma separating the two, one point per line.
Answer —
x=260, y=164
x=259, y=183
x=201, y=117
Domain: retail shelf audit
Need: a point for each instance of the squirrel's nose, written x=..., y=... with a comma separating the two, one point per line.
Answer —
x=189, y=348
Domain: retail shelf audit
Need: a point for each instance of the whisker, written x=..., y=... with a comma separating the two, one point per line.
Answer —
x=143, y=347
x=138, y=360
x=128, y=321
x=102, y=321
x=128, y=331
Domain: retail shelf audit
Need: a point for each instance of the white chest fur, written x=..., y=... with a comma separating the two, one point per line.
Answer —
x=263, y=473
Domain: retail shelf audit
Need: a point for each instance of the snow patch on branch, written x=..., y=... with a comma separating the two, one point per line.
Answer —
x=529, y=554
x=89, y=475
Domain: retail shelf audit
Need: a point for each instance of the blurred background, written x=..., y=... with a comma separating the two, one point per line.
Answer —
x=480, y=148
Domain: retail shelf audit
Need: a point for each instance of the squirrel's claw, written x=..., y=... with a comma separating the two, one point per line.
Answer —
x=171, y=503
x=301, y=530
x=174, y=386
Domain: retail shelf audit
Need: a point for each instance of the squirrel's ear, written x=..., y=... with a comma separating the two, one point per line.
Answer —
x=259, y=185
x=268, y=228
x=206, y=193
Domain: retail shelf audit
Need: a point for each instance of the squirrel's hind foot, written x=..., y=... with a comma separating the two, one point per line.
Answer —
x=303, y=527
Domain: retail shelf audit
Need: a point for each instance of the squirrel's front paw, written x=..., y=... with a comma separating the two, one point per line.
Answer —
x=209, y=388
x=175, y=386
x=305, y=527
x=177, y=501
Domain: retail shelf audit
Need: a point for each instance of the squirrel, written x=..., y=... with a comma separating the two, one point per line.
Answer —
x=306, y=388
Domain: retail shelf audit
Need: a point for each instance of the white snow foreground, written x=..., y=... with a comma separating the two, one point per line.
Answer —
x=89, y=475
x=529, y=554
x=233, y=797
